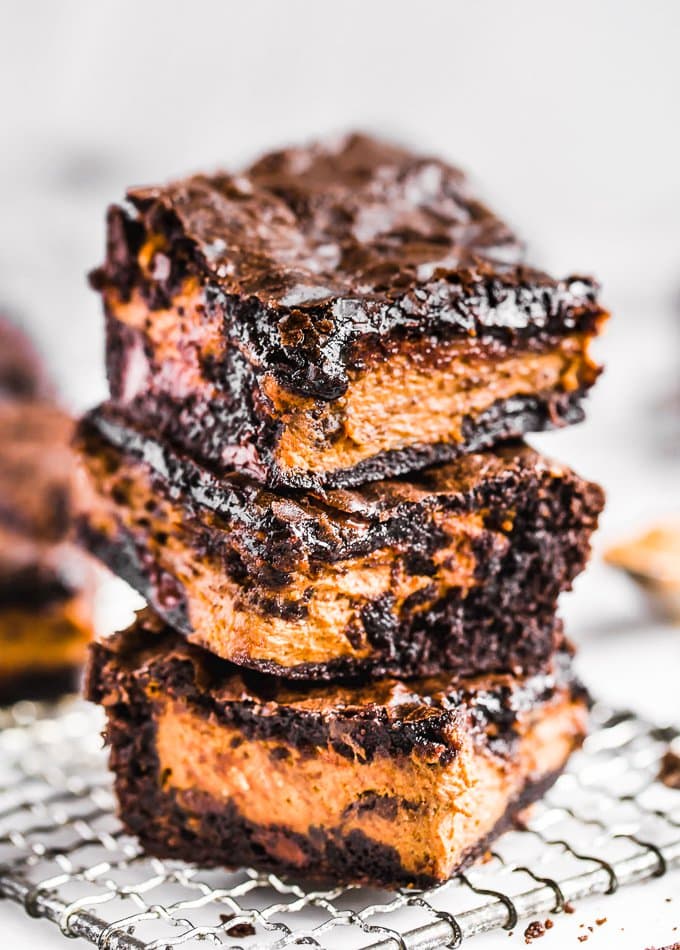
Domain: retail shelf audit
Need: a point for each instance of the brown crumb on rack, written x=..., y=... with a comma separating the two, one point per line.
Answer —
x=238, y=930
x=600, y=920
x=569, y=908
x=583, y=938
x=669, y=773
x=534, y=931
x=548, y=924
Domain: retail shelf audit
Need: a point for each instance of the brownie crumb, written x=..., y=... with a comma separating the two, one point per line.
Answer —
x=534, y=931
x=600, y=920
x=237, y=930
x=669, y=773
x=569, y=908
x=583, y=938
x=548, y=924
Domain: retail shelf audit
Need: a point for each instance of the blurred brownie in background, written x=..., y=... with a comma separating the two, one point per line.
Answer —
x=652, y=560
x=45, y=596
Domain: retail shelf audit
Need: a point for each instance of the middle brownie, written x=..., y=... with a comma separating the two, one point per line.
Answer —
x=457, y=567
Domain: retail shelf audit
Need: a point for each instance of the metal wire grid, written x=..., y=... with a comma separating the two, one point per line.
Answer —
x=606, y=823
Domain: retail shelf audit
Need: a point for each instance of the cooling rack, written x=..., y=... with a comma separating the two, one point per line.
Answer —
x=606, y=823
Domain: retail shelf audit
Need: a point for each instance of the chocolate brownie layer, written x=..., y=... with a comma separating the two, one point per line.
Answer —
x=389, y=783
x=458, y=567
x=335, y=314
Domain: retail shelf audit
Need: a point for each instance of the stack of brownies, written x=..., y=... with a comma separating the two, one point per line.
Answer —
x=45, y=587
x=317, y=369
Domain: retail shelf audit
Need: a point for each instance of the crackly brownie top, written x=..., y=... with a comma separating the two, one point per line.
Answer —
x=313, y=248
x=352, y=217
x=387, y=716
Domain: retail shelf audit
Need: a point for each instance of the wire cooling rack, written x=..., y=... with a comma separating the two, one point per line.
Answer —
x=607, y=822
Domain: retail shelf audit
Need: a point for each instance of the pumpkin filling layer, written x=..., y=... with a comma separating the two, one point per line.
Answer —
x=431, y=813
x=423, y=393
x=312, y=617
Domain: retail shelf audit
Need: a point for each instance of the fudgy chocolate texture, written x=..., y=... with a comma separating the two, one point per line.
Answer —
x=308, y=268
x=394, y=721
x=458, y=567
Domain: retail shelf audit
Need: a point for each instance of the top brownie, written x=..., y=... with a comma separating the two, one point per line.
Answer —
x=335, y=314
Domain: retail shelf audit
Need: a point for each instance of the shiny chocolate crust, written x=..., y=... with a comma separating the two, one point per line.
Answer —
x=477, y=552
x=142, y=670
x=317, y=263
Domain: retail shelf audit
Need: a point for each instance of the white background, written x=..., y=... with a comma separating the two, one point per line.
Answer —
x=567, y=113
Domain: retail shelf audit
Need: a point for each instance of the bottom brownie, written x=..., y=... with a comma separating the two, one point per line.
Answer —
x=388, y=783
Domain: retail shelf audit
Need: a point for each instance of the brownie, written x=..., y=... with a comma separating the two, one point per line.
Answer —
x=386, y=783
x=45, y=616
x=43, y=647
x=336, y=314
x=458, y=567
x=45, y=585
x=36, y=469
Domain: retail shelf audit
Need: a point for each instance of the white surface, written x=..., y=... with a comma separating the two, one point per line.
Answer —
x=567, y=112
